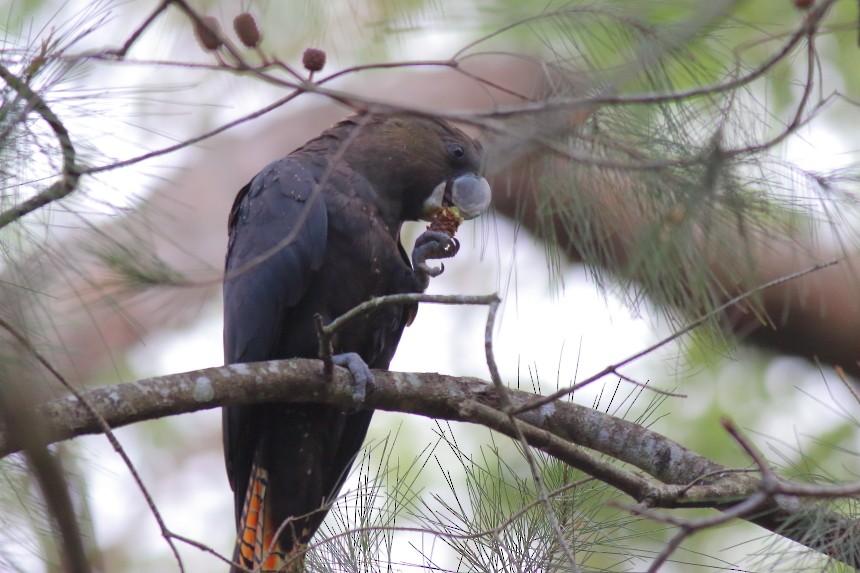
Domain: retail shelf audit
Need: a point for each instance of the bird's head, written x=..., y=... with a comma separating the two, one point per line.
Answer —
x=420, y=166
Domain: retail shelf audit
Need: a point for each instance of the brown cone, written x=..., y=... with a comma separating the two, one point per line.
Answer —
x=313, y=59
x=246, y=29
x=206, y=31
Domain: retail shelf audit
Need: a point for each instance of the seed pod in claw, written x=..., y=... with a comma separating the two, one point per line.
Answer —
x=447, y=221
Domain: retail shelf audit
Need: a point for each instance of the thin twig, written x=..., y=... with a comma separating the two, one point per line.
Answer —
x=120, y=53
x=191, y=141
x=326, y=332
x=68, y=181
x=773, y=484
x=688, y=527
x=808, y=31
x=507, y=406
x=205, y=548
x=612, y=369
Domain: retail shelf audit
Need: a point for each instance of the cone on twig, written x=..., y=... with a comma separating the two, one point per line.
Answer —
x=246, y=29
x=208, y=31
x=313, y=60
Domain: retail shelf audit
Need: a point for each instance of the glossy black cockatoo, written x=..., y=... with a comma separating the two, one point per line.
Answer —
x=318, y=232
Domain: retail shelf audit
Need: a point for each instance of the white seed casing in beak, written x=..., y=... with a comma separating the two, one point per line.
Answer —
x=469, y=193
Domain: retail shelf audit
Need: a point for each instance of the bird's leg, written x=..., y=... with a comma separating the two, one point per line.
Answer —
x=432, y=245
x=360, y=371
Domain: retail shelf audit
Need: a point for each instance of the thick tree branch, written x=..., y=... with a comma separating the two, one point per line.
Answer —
x=682, y=477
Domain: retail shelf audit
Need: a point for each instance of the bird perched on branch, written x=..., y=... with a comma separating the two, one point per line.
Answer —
x=317, y=233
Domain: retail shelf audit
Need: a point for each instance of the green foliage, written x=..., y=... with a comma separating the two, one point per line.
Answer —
x=491, y=520
x=28, y=538
x=138, y=269
x=488, y=517
x=27, y=528
x=360, y=531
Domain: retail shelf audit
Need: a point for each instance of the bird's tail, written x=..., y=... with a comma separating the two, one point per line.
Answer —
x=256, y=546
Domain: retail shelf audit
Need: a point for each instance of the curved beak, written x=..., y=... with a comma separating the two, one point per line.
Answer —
x=469, y=193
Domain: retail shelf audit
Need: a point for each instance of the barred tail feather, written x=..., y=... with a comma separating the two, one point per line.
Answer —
x=255, y=549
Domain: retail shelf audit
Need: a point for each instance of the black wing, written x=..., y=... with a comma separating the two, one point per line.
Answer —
x=265, y=277
x=265, y=274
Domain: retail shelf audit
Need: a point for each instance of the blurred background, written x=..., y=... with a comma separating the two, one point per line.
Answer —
x=614, y=224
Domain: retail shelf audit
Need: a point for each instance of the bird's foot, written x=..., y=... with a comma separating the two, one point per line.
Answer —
x=432, y=245
x=360, y=371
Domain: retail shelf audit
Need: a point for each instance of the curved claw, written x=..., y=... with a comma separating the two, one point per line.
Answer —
x=450, y=248
x=360, y=371
x=456, y=244
x=433, y=245
x=428, y=270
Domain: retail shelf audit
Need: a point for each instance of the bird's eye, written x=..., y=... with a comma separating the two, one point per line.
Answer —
x=458, y=151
